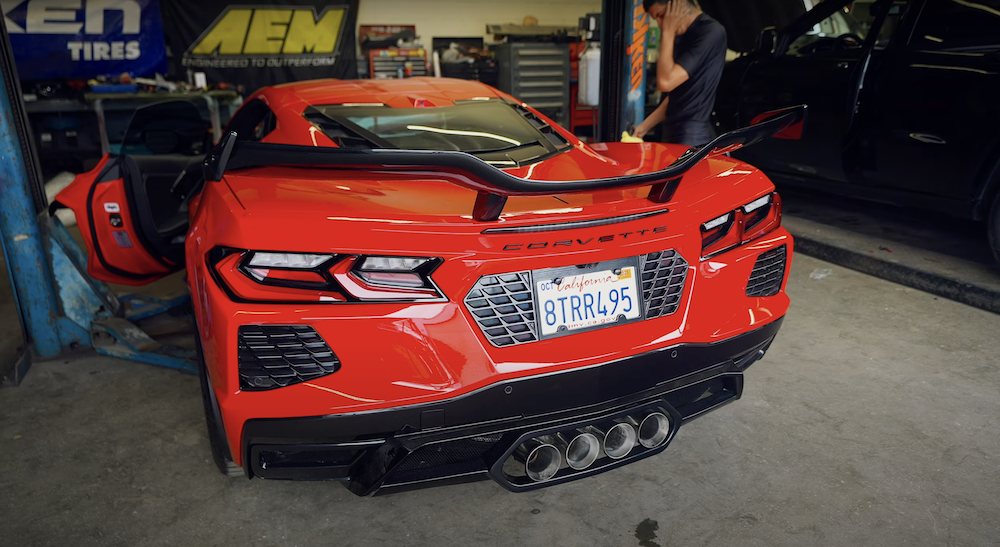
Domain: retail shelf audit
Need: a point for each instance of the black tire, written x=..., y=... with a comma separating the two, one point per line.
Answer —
x=993, y=227
x=213, y=419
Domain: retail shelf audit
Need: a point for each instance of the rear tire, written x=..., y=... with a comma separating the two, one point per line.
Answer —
x=213, y=419
x=993, y=227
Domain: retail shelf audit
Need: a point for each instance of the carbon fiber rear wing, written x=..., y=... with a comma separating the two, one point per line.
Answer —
x=493, y=184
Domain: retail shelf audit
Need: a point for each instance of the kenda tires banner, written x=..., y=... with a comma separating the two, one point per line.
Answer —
x=263, y=43
x=82, y=39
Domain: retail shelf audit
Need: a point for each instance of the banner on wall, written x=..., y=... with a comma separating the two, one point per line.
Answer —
x=263, y=43
x=81, y=39
x=634, y=77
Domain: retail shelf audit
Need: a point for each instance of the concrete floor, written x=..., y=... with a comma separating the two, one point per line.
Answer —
x=11, y=339
x=873, y=420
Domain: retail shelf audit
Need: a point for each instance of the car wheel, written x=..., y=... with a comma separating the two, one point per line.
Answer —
x=213, y=418
x=993, y=225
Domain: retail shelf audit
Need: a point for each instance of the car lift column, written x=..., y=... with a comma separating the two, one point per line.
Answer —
x=622, y=106
x=23, y=244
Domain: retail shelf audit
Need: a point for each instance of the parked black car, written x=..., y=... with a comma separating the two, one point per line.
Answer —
x=904, y=103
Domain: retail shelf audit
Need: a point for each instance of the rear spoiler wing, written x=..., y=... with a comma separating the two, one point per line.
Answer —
x=493, y=184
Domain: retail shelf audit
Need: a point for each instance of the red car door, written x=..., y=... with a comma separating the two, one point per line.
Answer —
x=132, y=207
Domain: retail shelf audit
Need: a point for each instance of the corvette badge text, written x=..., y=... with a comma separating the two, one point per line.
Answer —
x=260, y=37
x=581, y=242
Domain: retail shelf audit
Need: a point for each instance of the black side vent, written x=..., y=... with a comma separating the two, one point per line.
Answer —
x=663, y=275
x=272, y=356
x=768, y=271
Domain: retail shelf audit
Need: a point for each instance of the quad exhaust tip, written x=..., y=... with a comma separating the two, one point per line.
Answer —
x=541, y=460
x=543, y=456
x=583, y=451
x=654, y=430
x=619, y=440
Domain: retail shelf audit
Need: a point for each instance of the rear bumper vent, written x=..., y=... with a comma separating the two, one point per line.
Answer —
x=504, y=308
x=768, y=272
x=272, y=356
x=663, y=276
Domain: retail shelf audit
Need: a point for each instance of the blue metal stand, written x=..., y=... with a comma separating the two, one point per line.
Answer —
x=61, y=306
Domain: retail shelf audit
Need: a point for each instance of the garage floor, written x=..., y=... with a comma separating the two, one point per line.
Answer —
x=873, y=420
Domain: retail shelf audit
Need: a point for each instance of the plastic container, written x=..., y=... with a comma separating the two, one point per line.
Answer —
x=589, y=93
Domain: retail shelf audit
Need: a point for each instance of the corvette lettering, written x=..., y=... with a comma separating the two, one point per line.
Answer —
x=580, y=242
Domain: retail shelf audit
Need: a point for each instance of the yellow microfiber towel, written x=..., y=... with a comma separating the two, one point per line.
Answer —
x=629, y=138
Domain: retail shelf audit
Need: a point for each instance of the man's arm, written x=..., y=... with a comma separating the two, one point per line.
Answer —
x=669, y=74
x=655, y=118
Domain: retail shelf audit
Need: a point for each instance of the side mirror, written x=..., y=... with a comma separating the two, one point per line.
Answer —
x=767, y=40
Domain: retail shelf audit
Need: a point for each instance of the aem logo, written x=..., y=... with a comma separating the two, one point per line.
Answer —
x=271, y=31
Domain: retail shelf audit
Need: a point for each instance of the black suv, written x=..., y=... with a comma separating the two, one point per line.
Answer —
x=904, y=102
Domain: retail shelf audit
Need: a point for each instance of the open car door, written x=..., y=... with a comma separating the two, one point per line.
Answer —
x=132, y=207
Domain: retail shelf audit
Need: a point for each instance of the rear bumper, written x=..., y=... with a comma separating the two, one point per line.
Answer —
x=469, y=436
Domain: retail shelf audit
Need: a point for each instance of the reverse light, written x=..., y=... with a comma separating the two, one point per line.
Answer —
x=756, y=204
x=746, y=223
x=715, y=223
x=396, y=271
x=287, y=260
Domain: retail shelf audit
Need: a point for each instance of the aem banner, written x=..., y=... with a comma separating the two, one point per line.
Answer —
x=58, y=39
x=263, y=43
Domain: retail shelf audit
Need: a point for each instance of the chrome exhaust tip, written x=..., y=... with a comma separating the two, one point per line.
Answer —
x=619, y=440
x=582, y=451
x=541, y=459
x=654, y=430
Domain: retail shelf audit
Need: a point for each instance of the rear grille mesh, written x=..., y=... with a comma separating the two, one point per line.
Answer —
x=272, y=356
x=504, y=308
x=768, y=271
x=663, y=277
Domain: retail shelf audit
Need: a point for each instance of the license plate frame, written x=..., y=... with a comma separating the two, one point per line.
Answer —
x=548, y=275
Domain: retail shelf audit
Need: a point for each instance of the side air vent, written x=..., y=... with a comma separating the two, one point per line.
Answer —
x=663, y=276
x=768, y=271
x=272, y=356
x=504, y=308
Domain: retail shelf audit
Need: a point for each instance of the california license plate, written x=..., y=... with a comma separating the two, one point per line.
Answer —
x=574, y=299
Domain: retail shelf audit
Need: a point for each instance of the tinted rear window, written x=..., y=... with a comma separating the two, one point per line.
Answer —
x=475, y=127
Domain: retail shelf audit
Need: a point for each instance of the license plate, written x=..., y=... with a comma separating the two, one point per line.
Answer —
x=573, y=299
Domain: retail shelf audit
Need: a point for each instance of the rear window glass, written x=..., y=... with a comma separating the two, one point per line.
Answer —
x=475, y=127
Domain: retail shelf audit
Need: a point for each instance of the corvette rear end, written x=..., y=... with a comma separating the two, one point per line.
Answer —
x=392, y=318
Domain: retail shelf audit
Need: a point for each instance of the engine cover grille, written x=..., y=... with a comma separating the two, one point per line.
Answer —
x=504, y=308
x=272, y=356
x=503, y=305
x=663, y=277
x=768, y=271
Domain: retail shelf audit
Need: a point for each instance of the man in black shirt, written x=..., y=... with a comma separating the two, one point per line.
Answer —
x=692, y=56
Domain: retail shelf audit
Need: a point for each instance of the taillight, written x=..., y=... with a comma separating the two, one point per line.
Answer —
x=747, y=223
x=761, y=216
x=264, y=276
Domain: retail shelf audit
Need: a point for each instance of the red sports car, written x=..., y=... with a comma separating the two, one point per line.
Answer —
x=423, y=280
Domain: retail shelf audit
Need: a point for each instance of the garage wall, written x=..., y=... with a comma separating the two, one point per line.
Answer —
x=461, y=18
